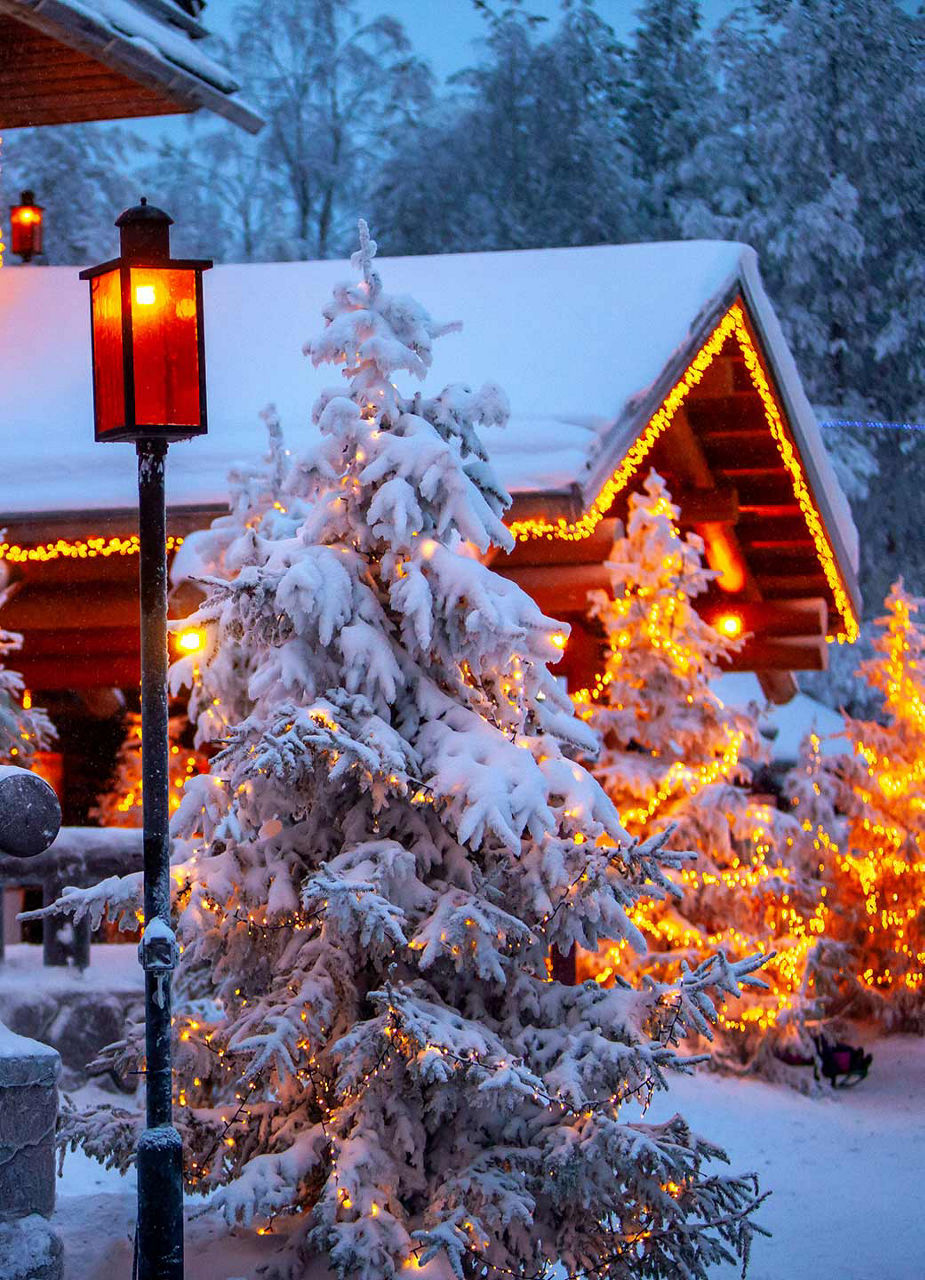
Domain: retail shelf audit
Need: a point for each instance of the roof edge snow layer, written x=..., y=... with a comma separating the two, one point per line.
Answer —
x=585, y=341
x=137, y=43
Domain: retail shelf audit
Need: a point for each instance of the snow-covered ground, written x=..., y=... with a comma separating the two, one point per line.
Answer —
x=846, y=1170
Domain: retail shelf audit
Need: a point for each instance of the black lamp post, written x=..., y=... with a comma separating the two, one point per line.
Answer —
x=149, y=387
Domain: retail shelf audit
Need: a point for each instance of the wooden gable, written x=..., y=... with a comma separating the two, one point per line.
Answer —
x=717, y=429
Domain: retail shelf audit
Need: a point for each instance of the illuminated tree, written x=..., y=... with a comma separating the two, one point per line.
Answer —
x=120, y=805
x=386, y=849
x=673, y=757
x=866, y=812
x=217, y=678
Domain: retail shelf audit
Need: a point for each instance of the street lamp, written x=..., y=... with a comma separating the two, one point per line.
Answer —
x=26, y=227
x=149, y=387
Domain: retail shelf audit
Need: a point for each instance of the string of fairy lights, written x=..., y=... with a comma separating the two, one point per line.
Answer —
x=732, y=325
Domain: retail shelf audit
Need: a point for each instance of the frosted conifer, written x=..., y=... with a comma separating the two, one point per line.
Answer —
x=120, y=804
x=23, y=729
x=387, y=847
x=673, y=757
x=864, y=812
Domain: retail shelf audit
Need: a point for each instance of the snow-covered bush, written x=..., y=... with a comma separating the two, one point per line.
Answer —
x=386, y=849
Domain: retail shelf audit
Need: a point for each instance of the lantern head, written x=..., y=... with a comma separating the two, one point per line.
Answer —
x=26, y=227
x=148, y=346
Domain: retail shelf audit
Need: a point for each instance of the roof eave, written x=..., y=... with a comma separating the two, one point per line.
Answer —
x=640, y=409
x=148, y=66
x=794, y=414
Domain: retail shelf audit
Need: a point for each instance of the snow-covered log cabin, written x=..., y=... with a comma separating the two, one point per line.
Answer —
x=615, y=359
x=65, y=61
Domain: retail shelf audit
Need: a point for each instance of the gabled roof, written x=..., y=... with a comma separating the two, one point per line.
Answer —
x=74, y=60
x=587, y=342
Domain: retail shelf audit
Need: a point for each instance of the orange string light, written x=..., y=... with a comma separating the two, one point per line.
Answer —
x=78, y=549
x=732, y=325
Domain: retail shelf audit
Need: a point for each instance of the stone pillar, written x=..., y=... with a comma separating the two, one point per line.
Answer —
x=29, y=1249
x=28, y=1111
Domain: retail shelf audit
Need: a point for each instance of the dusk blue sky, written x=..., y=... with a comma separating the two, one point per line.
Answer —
x=444, y=32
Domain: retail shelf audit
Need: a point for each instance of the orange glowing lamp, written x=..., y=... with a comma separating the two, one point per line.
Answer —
x=26, y=226
x=730, y=625
x=148, y=347
x=192, y=640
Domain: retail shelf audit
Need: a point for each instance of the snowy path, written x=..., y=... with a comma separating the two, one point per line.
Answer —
x=846, y=1171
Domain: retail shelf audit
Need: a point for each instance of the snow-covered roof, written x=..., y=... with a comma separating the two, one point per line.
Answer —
x=150, y=41
x=788, y=724
x=579, y=339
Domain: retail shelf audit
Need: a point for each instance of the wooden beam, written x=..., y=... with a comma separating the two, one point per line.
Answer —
x=788, y=585
x=761, y=511
x=771, y=529
x=86, y=641
x=780, y=655
x=71, y=609
x=559, y=551
x=778, y=686
x=773, y=618
x=796, y=559
x=113, y=671
x=717, y=505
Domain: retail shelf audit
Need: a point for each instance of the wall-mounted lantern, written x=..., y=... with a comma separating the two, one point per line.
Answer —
x=26, y=225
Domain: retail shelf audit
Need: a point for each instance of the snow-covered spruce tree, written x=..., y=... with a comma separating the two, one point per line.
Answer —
x=218, y=685
x=389, y=845
x=217, y=677
x=866, y=813
x=23, y=729
x=673, y=757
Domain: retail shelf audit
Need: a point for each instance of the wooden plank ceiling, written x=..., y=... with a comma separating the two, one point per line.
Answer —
x=43, y=81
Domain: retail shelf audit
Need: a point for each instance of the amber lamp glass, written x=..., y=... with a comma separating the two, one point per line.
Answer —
x=26, y=227
x=148, y=346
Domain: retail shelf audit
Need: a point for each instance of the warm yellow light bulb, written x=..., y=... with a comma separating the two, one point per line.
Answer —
x=560, y=639
x=192, y=640
x=730, y=624
x=145, y=295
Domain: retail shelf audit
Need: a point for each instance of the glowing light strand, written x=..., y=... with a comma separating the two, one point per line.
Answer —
x=731, y=325
x=77, y=549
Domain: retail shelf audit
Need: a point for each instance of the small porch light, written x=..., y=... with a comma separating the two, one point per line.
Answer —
x=26, y=221
x=148, y=345
x=730, y=625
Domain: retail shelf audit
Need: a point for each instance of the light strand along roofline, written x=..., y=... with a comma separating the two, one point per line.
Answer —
x=732, y=325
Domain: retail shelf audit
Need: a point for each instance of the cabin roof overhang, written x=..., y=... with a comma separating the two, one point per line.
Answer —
x=732, y=432
x=67, y=62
